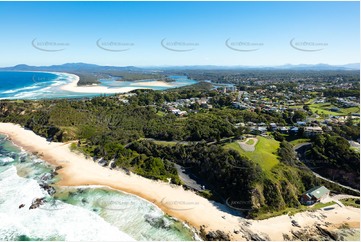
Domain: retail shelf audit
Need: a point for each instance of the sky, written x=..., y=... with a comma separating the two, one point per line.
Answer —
x=179, y=33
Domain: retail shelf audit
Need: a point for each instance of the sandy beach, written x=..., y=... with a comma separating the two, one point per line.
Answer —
x=174, y=200
x=73, y=87
x=151, y=84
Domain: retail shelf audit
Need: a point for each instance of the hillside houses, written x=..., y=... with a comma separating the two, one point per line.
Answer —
x=312, y=131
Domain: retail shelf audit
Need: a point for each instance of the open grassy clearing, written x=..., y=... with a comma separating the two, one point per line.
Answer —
x=265, y=153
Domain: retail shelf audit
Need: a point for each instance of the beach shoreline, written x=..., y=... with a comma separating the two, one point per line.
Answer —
x=96, y=88
x=73, y=87
x=183, y=205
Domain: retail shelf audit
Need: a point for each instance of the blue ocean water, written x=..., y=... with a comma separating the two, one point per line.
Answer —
x=39, y=85
x=73, y=213
x=31, y=85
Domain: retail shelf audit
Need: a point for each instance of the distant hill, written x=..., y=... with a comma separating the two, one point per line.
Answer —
x=353, y=66
x=84, y=67
x=72, y=67
x=320, y=67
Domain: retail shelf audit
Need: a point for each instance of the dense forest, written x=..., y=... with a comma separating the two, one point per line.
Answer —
x=332, y=156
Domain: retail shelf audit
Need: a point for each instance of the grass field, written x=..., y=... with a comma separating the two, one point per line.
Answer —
x=296, y=106
x=293, y=211
x=324, y=108
x=250, y=142
x=265, y=153
x=353, y=202
x=161, y=114
x=299, y=141
x=166, y=143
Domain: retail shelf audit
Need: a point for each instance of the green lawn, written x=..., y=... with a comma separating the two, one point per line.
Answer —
x=265, y=153
x=324, y=108
x=299, y=141
x=161, y=114
x=293, y=211
x=250, y=142
x=165, y=143
x=161, y=142
x=353, y=202
x=296, y=106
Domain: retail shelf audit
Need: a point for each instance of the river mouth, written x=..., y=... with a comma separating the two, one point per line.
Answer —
x=55, y=85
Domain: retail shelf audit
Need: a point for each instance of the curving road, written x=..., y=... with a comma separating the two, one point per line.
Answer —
x=300, y=149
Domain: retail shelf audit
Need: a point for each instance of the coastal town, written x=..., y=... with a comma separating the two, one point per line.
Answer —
x=311, y=112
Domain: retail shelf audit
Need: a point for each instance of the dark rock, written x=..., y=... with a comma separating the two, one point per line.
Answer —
x=22, y=159
x=295, y=223
x=286, y=237
x=157, y=222
x=37, y=202
x=327, y=233
x=249, y=235
x=47, y=176
x=217, y=236
x=256, y=237
x=49, y=189
x=21, y=205
x=103, y=162
x=80, y=190
x=58, y=168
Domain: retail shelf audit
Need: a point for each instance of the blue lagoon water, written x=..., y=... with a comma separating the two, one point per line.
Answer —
x=73, y=213
x=39, y=85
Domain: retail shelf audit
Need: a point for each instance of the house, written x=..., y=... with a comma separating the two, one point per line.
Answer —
x=312, y=131
x=206, y=106
x=283, y=130
x=262, y=130
x=181, y=113
x=273, y=126
x=301, y=123
x=258, y=130
x=314, y=195
x=237, y=125
x=178, y=112
x=236, y=104
x=293, y=130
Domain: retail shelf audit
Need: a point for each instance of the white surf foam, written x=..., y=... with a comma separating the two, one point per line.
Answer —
x=68, y=223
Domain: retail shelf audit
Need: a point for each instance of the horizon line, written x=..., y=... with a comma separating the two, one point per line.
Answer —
x=182, y=65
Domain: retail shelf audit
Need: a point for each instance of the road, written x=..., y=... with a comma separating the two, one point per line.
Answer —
x=187, y=178
x=300, y=149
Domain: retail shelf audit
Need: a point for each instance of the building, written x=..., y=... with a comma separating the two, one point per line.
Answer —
x=273, y=126
x=293, y=130
x=314, y=195
x=301, y=123
x=258, y=130
x=283, y=130
x=312, y=131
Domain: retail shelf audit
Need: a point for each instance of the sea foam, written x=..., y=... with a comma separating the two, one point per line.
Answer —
x=68, y=223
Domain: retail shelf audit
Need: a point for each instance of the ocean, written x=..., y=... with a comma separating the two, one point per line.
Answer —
x=40, y=85
x=73, y=213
